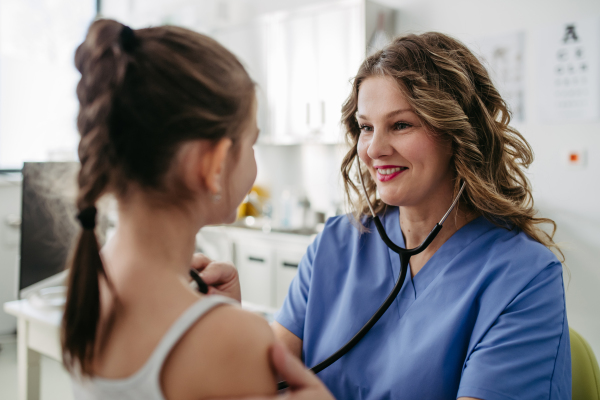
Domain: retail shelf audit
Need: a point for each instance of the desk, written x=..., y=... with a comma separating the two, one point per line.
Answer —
x=38, y=333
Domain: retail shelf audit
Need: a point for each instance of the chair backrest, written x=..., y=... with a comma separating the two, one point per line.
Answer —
x=585, y=371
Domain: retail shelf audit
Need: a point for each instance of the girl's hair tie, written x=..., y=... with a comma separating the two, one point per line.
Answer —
x=128, y=40
x=87, y=218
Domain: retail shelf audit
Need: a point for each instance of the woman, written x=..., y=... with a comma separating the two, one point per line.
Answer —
x=482, y=312
x=168, y=121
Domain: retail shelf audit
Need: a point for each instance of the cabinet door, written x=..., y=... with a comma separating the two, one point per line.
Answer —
x=339, y=56
x=286, y=268
x=302, y=66
x=277, y=78
x=254, y=263
x=310, y=58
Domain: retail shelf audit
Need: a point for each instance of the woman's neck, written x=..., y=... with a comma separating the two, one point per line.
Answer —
x=417, y=223
x=416, y=227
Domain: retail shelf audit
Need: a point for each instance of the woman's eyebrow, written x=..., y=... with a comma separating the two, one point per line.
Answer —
x=388, y=115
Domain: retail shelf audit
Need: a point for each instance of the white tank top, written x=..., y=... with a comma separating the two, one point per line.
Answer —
x=145, y=383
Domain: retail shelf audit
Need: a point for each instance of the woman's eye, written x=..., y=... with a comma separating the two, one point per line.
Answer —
x=365, y=128
x=401, y=125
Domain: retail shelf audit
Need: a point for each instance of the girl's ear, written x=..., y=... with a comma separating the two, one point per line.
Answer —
x=203, y=164
x=212, y=165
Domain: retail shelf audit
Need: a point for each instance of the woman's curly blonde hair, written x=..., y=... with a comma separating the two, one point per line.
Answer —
x=453, y=95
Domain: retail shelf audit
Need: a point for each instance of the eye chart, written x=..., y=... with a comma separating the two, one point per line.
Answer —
x=503, y=57
x=569, y=69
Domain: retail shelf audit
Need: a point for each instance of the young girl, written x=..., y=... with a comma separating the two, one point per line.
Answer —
x=167, y=121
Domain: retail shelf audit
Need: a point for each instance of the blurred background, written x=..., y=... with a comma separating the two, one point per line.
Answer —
x=543, y=55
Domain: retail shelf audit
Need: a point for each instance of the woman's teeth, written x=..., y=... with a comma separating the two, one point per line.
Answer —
x=389, y=171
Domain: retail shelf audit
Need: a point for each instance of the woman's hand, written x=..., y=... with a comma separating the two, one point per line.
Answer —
x=221, y=277
x=304, y=385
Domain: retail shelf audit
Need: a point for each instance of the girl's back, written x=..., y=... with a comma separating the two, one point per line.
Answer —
x=167, y=123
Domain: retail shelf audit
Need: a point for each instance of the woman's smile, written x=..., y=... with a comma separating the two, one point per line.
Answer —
x=388, y=172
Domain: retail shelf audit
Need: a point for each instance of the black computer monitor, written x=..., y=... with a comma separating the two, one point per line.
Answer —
x=48, y=224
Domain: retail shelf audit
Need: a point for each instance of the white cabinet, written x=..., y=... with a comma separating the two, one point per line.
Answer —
x=255, y=269
x=303, y=61
x=311, y=56
x=266, y=270
x=339, y=53
x=286, y=268
x=276, y=77
x=266, y=262
x=303, y=74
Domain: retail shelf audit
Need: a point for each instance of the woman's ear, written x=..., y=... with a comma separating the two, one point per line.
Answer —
x=212, y=165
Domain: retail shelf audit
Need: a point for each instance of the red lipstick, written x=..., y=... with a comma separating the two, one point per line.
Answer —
x=388, y=172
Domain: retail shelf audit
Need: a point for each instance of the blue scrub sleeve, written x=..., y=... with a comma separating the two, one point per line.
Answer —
x=524, y=354
x=293, y=311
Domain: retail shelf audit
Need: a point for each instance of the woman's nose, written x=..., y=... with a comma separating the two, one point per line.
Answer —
x=379, y=145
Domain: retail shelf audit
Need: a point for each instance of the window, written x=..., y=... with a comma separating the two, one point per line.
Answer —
x=38, y=105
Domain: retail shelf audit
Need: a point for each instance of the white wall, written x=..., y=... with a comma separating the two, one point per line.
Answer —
x=570, y=197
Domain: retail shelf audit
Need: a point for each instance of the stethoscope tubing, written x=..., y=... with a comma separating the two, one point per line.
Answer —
x=363, y=331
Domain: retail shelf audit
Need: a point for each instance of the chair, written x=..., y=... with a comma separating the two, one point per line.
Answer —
x=584, y=369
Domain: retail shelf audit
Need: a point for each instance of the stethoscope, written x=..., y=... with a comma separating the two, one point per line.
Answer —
x=405, y=255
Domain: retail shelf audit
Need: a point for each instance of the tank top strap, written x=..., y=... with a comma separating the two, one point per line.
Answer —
x=181, y=326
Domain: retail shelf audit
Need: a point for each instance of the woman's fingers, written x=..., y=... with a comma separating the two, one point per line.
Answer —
x=218, y=273
x=222, y=278
x=292, y=370
x=200, y=261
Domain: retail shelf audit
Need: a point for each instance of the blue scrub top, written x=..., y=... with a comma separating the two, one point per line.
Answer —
x=484, y=318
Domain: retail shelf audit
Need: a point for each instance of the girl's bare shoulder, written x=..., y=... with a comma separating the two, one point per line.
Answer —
x=226, y=353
